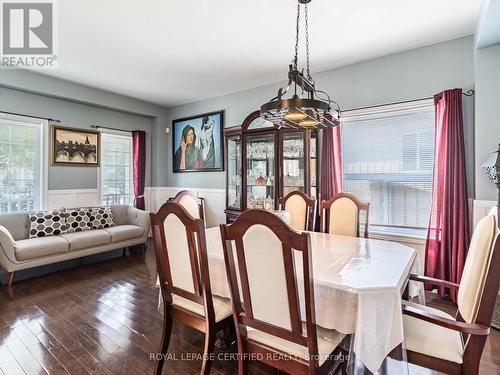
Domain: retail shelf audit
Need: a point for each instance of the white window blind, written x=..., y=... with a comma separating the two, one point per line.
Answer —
x=21, y=163
x=387, y=160
x=116, y=168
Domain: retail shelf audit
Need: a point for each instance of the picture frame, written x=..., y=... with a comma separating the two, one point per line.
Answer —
x=198, y=143
x=75, y=147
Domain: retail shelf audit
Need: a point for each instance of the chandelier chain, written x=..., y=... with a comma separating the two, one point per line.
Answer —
x=308, y=68
x=296, y=58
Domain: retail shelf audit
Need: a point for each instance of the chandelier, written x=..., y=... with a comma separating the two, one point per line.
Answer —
x=308, y=107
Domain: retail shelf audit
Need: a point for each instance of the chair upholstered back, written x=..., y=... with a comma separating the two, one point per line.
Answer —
x=343, y=218
x=296, y=206
x=301, y=208
x=265, y=265
x=264, y=250
x=192, y=203
x=476, y=268
x=341, y=215
x=181, y=254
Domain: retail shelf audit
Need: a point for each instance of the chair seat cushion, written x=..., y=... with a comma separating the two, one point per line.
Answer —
x=86, y=239
x=328, y=340
x=430, y=339
x=40, y=247
x=124, y=232
x=222, y=306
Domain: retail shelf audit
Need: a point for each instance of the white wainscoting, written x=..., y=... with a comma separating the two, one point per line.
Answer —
x=72, y=198
x=215, y=205
x=480, y=209
x=215, y=201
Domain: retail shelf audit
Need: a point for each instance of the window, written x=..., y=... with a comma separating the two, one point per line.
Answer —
x=21, y=163
x=116, y=168
x=388, y=157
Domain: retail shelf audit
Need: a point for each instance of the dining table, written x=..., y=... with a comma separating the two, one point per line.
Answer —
x=358, y=287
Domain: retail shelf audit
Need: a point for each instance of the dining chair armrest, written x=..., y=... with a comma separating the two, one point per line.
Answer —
x=469, y=328
x=431, y=280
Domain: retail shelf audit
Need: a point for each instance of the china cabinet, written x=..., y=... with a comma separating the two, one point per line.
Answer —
x=265, y=163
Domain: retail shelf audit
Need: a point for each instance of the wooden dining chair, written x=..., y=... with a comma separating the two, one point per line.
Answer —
x=341, y=215
x=301, y=208
x=454, y=345
x=191, y=202
x=182, y=262
x=267, y=315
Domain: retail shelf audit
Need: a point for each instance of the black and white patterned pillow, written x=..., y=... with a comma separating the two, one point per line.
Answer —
x=78, y=220
x=47, y=223
x=101, y=217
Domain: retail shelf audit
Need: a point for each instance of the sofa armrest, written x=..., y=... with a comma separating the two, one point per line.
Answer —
x=7, y=245
x=139, y=218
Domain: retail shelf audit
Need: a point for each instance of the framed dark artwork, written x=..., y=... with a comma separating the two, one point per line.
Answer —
x=78, y=147
x=197, y=143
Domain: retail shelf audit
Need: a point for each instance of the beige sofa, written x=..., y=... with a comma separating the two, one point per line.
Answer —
x=18, y=251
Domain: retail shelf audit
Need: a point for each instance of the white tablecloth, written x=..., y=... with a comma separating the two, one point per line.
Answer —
x=358, y=285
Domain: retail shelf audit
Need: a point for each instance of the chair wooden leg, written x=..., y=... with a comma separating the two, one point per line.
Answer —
x=343, y=366
x=242, y=359
x=10, y=278
x=165, y=340
x=208, y=351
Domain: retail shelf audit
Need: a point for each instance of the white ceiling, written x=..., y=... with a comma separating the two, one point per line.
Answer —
x=178, y=51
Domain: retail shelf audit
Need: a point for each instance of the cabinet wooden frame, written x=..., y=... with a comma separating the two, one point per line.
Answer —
x=244, y=132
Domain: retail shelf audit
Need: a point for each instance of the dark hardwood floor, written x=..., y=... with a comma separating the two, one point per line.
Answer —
x=102, y=318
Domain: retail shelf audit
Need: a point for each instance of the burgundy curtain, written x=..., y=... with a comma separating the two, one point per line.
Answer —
x=139, y=166
x=331, y=163
x=448, y=234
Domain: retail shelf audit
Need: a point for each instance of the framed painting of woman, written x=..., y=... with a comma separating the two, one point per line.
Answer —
x=197, y=143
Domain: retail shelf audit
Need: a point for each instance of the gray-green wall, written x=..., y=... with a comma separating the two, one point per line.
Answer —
x=487, y=115
x=409, y=75
x=80, y=106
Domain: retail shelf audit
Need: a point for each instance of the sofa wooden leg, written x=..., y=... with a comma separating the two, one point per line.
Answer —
x=10, y=278
x=124, y=251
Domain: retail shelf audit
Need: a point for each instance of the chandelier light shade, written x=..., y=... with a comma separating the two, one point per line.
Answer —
x=308, y=107
x=492, y=167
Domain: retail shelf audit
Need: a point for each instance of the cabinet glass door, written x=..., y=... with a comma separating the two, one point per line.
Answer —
x=313, y=167
x=261, y=177
x=293, y=162
x=233, y=172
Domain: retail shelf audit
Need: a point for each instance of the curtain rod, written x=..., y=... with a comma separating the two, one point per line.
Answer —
x=116, y=129
x=30, y=116
x=467, y=93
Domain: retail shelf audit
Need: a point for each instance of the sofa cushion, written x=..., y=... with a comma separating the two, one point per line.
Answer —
x=47, y=223
x=40, y=247
x=78, y=220
x=124, y=232
x=101, y=217
x=17, y=223
x=87, y=239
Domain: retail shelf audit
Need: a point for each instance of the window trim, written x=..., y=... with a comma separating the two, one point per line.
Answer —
x=122, y=133
x=44, y=149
